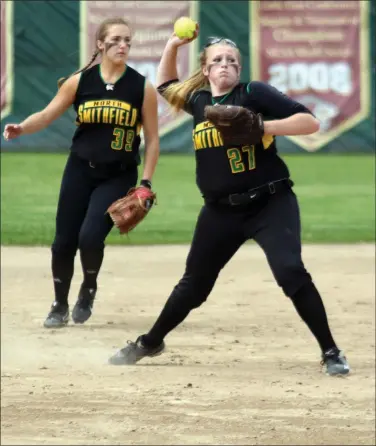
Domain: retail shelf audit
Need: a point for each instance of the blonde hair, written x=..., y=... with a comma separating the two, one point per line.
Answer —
x=99, y=35
x=178, y=93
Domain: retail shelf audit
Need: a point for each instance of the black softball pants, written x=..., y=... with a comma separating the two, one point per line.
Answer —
x=82, y=223
x=218, y=235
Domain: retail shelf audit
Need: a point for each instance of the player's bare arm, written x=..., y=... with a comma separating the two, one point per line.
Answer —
x=299, y=124
x=292, y=118
x=42, y=119
x=167, y=69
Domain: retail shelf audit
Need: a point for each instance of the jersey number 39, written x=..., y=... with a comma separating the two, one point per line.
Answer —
x=122, y=139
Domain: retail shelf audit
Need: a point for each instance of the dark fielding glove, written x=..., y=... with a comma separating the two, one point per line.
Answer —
x=237, y=125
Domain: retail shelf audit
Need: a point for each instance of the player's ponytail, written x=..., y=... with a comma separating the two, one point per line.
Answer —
x=63, y=79
x=177, y=94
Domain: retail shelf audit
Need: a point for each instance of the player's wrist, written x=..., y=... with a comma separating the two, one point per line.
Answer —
x=145, y=183
x=173, y=44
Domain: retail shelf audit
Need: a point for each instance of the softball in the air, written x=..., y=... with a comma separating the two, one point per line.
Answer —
x=185, y=28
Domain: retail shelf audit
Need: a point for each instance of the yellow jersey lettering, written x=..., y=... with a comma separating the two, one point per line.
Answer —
x=99, y=113
x=215, y=138
x=86, y=115
x=105, y=115
x=203, y=139
x=198, y=141
x=122, y=117
x=112, y=115
x=90, y=104
x=108, y=112
x=79, y=112
x=203, y=125
x=208, y=136
x=127, y=123
x=134, y=117
x=117, y=116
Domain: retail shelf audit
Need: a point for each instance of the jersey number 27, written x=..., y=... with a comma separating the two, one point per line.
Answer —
x=237, y=162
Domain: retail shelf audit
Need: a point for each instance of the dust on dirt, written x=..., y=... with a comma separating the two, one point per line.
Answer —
x=242, y=369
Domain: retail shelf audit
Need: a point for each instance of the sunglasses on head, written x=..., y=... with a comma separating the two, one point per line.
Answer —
x=214, y=40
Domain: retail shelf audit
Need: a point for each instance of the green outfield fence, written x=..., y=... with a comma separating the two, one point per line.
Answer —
x=322, y=53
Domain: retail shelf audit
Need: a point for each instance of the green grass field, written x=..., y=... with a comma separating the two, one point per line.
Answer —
x=336, y=194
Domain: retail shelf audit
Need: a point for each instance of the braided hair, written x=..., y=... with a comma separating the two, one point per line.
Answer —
x=100, y=35
x=63, y=79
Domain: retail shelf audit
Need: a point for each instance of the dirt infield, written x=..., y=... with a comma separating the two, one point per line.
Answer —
x=243, y=369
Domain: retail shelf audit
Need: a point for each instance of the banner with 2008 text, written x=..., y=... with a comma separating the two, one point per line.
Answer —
x=316, y=52
x=152, y=25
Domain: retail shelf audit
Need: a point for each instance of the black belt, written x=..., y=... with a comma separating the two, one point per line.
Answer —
x=255, y=194
x=109, y=168
x=105, y=167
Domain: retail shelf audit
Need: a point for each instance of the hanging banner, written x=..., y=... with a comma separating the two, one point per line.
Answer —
x=6, y=40
x=152, y=24
x=316, y=52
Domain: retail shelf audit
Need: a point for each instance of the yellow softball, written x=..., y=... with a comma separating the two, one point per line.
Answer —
x=185, y=27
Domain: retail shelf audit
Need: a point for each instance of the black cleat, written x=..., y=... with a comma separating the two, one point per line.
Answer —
x=135, y=351
x=58, y=316
x=334, y=363
x=84, y=305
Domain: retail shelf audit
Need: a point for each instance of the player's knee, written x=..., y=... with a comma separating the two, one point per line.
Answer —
x=291, y=276
x=90, y=242
x=62, y=246
x=195, y=289
x=197, y=300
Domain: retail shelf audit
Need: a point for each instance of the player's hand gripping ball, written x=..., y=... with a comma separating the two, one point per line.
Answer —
x=185, y=28
x=129, y=211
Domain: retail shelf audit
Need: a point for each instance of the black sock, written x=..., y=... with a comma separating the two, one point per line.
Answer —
x=91, y=263
x=62, y=273
x=310, y=307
